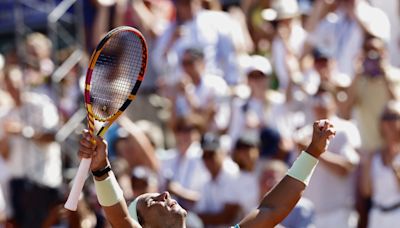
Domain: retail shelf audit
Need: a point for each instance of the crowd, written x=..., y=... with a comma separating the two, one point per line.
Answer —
x=231, y=90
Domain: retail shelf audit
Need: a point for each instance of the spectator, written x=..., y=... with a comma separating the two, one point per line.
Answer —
x=381, y=171
x=340, y=33
x=246, y=155
x=218, y=206
x=208, y=30
x=198, y=93
x=263, y=108
x=39, y=65
x=336, y=171
x=376, y=83
x=288, y=40
x=135, y=146
x=182, y=171
x=143, y=180
x=34, y=158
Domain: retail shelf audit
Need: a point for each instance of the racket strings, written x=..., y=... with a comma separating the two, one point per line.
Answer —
x=115, y=73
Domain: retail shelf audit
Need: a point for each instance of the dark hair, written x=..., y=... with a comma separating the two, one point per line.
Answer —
x=140, y=217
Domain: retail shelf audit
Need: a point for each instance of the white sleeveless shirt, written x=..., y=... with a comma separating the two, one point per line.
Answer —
x=385, y=187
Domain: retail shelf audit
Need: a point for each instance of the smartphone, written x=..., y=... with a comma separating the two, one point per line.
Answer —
x=372, y=65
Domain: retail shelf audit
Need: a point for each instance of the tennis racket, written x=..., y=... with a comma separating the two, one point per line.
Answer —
x=116, y=70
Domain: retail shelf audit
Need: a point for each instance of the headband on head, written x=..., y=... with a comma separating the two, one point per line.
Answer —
x=133, y=210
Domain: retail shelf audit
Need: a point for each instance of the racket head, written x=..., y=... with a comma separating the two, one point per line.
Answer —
x=116, y=70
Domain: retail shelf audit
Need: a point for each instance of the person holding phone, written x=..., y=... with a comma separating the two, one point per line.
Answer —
x=376, y=83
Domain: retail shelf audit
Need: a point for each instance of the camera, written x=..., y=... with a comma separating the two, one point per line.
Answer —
x=372, y=64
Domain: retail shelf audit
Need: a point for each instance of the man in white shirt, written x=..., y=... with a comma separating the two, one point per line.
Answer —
x=336, y=172
x=246, y=154
x=211, y=31
x=198, y=91
x=219, y=202
x=341, y=33
x=34, y=157
x=182, y=171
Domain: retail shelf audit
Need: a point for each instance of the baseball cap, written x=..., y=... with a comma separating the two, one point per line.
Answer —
x=210, y=142
x=248, y=140
x=281, y=9
x=258, y=63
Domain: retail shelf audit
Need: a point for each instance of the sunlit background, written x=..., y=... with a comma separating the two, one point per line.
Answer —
x=231, y=90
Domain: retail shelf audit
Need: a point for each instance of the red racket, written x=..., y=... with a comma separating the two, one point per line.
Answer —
x=115, y=72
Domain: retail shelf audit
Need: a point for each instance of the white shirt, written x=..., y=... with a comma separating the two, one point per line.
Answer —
x=187, y=170
x=272, y=113
x=210, y=31
x=385, y=187
x=391, y=8
x=327, y=190
x=40, y=162
x=248, y=192
x=342, y=37
x=216, y=193
x=208, y=91
x=296, y=42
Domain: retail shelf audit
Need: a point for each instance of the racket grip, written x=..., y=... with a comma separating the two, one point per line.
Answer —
x=77, y=186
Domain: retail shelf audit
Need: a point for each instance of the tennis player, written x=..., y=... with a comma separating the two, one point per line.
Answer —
x=160, y=210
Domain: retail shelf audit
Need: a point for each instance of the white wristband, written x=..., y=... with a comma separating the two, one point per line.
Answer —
x=108, y=191
x=303, y=168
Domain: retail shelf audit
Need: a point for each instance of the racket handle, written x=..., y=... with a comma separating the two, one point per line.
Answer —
x=77, y=186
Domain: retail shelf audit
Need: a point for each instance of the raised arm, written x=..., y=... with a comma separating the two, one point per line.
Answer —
x=108, y=191
x=277, y=203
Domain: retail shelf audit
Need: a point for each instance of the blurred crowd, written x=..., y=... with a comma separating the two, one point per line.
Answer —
x=230, y=92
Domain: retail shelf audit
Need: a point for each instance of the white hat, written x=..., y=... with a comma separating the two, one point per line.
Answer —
x=258, y=63
x=374, y=21
x=281, y=9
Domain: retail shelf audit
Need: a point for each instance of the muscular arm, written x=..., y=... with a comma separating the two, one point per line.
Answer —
x=117, y=214
x=337, y=164
x=144, y=149
x=278, y=203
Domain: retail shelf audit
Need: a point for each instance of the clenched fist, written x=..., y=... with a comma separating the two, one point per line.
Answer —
x=323, y=131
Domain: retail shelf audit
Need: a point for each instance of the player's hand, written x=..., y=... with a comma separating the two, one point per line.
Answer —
x=323, y=131
x=97, y=151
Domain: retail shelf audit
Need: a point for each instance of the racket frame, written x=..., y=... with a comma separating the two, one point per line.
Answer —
x=84, y=166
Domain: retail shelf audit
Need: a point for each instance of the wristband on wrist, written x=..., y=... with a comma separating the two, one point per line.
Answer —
x=101, y=172
x=108, y=191
x=303, y=168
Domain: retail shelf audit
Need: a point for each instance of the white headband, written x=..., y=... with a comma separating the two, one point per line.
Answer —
x=133, y=209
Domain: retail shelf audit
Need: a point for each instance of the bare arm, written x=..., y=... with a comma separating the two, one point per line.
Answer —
x=277, y=203
x=143, y=145
x=351, y=98
x=337, y=164
x=366, y=179
x=117, y=214
x=183, y=193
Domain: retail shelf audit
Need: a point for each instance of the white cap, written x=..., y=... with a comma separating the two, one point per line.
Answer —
x=374, y=21
x=281, y=9
x=258, y=63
